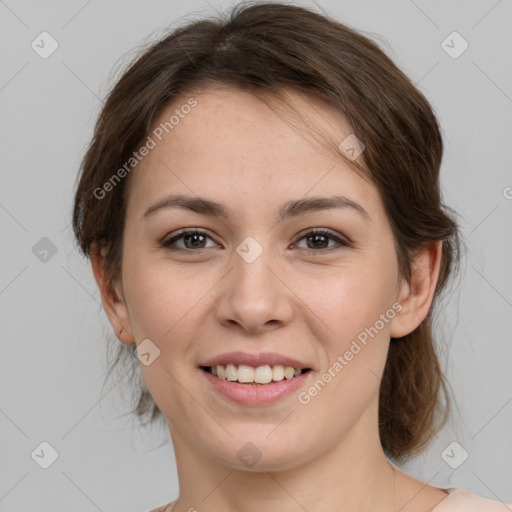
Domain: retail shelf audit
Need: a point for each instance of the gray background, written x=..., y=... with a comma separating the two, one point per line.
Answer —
x=53, y=328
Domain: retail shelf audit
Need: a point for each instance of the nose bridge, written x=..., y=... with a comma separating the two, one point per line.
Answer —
x=251, y=266
x=253, y=277
x=255, y=296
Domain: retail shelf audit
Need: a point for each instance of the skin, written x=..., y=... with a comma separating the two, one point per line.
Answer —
x=232, y=148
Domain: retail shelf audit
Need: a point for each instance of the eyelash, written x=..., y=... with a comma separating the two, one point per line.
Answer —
x=323, y=232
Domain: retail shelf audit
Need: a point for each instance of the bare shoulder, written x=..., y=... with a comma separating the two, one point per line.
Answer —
x=467, y=501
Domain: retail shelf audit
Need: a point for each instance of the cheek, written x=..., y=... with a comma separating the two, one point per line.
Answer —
x=354, y=302
x=164, y=303
x=358, y=311
x=359, y=315
x=150, y=316
x=154, y=305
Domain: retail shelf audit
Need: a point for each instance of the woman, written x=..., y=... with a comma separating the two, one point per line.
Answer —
x=261, y=206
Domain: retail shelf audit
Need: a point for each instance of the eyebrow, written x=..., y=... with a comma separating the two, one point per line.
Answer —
x=288, y=210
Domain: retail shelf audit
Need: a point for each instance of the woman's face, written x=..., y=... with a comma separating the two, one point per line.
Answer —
x=256, y=281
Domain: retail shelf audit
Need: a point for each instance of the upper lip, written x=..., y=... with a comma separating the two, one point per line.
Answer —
x=262, y=359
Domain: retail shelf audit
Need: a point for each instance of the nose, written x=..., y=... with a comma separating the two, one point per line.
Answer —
x=255, y=296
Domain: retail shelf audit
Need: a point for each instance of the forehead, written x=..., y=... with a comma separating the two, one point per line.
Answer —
x=233, y=147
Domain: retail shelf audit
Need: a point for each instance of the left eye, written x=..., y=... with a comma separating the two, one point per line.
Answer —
x=194, y=241
x=321, y=237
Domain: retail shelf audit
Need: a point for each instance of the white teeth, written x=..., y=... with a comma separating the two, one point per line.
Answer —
x=289, y=372
x=261, y=375
x=231, y=372
x=245, y=373
x=278, y=372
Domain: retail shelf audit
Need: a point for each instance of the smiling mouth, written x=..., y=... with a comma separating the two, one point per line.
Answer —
x=261, y=375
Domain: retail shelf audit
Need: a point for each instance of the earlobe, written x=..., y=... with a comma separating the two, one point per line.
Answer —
x=113, y=301
x=417, y=294
x=398, y=326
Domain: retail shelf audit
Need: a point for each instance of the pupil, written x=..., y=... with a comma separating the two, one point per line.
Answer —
x=193, y=236
x=316, y=237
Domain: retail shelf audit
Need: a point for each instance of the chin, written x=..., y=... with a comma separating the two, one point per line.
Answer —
x=260, y=450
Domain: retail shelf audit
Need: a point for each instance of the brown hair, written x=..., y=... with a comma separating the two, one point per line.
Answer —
x=268, y=47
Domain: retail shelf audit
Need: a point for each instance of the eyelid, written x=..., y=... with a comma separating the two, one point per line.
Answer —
x=342, y=241
x=185, y=231
x=324, y=231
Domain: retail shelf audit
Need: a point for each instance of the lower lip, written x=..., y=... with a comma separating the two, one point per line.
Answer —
x=256, y=394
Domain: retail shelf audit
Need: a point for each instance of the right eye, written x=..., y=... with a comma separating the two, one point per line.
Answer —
x=191, y=238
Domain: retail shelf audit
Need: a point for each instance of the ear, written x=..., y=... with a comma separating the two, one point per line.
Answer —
x=113, y=301
x=416, y=295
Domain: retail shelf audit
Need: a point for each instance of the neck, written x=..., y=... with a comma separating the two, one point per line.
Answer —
x=352, y=474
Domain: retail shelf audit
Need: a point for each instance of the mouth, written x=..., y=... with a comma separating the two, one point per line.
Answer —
x=255, y=385
x=250, y=375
